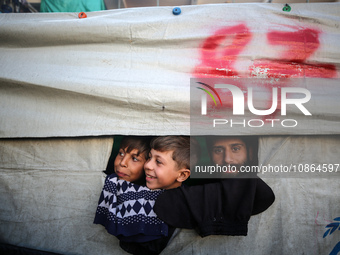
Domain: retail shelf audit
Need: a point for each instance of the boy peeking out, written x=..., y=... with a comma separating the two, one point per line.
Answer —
x=125, y=208
x=168, y=165
x=223, y=206
x=131, y=157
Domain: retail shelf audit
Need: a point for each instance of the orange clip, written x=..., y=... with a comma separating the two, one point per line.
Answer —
x=82, y=15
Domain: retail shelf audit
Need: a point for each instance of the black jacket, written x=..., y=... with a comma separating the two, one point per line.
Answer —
x=219, y=208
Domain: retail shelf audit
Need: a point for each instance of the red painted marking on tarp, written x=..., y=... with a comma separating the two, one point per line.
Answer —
x=292, y=62
x=220, y=51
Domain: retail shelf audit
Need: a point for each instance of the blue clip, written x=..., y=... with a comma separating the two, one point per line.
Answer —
x=176, y=11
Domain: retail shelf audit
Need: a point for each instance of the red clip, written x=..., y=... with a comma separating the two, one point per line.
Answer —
x=82, y=15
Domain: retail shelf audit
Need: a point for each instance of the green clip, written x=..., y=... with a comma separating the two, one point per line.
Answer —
x=287, y=8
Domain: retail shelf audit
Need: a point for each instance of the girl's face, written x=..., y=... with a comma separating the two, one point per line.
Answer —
x=129, y=166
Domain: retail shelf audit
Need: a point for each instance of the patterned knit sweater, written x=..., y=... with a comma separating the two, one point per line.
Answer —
x=126, y=211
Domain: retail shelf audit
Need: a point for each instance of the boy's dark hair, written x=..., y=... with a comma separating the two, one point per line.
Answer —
x=140, y=143
x=180, y=145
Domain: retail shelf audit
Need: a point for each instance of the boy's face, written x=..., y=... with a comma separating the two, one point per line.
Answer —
x=129, y=166
x=161, y=170
x=229, y=151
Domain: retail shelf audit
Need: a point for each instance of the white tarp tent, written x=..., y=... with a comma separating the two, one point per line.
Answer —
x=69, y=84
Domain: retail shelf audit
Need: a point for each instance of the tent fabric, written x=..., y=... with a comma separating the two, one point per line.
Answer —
x=49, y=190
x=128, y=71
x=49, y=204
x=69, y=84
